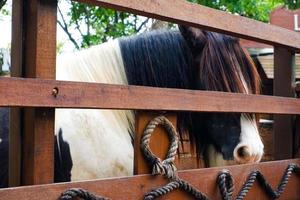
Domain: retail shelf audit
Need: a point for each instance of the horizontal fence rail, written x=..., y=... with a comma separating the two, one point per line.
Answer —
x=137, y=186
x=21, y=92
x=183, y=12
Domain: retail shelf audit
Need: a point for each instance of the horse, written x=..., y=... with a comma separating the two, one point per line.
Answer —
x=93, y=143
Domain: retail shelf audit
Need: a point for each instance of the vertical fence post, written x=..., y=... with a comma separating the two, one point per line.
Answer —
x=284, y=66
x=35, y=48
x=15, y=113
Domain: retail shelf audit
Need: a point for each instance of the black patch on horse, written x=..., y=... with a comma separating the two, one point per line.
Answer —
x=4, y=131
x=63, y=160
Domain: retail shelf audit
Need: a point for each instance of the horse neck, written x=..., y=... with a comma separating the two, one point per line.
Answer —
x=101, y=64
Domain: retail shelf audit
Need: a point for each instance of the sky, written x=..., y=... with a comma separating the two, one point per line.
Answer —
x=5, y=25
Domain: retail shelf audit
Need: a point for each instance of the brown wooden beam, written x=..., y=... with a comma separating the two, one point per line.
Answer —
x=38, y=93
x=183, y=12
x=135, y=187
x=39, y=60
x=284, y=67
x=15, y=113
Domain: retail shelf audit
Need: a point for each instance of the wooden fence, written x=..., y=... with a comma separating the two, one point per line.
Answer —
x=32, y=101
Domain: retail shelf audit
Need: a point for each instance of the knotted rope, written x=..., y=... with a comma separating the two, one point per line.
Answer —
x=226, y=186
x=80, y=193
x=165, y=167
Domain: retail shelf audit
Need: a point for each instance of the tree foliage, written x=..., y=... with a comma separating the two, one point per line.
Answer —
x=2, y=3
x=93, y=25
x=3, y=10
x=292, y=4
x=255, y=9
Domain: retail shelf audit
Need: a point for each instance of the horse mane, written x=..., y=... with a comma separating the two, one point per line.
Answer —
x=100, y=63
x=157, y=59
x=224, y=65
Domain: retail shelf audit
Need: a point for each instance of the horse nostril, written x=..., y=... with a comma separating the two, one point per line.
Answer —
x=243, y=152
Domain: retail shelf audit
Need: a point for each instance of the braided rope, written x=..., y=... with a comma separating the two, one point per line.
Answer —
x=79, y=193
x=225, y=183
x=274, y=194
x=165, y=167
x=226, y=189
x=176, y=184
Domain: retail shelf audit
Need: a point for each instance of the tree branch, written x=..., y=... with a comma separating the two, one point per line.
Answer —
x=2, y=3
x=88, y=24
x=64, y=26
x=142, y=24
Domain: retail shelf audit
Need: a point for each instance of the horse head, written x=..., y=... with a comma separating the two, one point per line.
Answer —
x=221, y=64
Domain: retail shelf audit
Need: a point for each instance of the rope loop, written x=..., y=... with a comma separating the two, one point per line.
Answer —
x=165, y=167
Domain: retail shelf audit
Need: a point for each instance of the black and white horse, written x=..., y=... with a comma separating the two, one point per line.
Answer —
x=99, y=142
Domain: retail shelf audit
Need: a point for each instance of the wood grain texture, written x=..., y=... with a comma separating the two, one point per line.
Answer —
x=39, y=58
x=284, y=79
x=15, y=113
x=183, y=12
x=135, y=187
x=159, y=144
x=38, y=93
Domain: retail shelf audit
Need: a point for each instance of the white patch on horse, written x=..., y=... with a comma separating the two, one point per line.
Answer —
x=249, y=138
x=99, y=140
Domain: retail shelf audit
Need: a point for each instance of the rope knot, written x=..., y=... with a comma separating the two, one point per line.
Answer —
x=165, y=167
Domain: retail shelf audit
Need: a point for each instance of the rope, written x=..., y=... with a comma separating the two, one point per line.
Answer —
x=226, y=189
x=225, y=184
x=165, y=167
x=176, y=184
x=74, y=193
